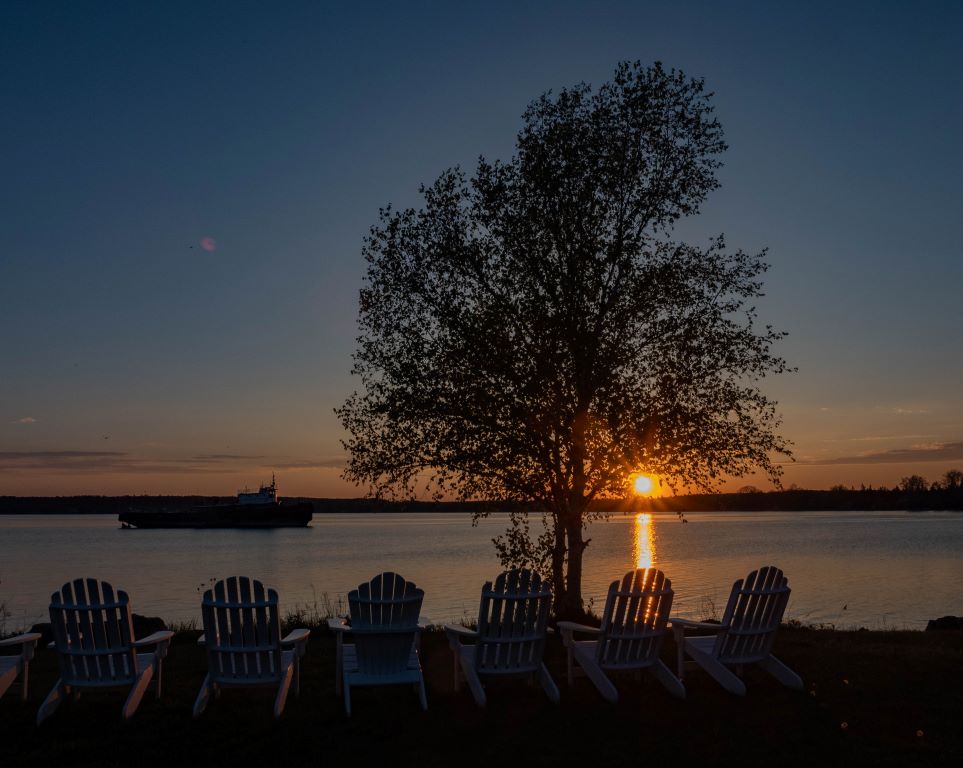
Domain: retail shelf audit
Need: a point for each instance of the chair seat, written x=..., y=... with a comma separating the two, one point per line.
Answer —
x=703, y=644
x=468, y=655
x=349, y=659
x=287, y=659
x=706, y=645
x=588, y=649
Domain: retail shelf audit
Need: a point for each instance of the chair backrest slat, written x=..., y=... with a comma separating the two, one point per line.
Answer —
x=753, y=614
x=93, y=634
x=634, y=619
x=384, y=622
x=242, y=628
x=512, y=621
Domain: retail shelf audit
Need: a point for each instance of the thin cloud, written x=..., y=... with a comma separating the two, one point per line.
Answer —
x=119, y=462
x=97, y=462
x=224, y=457
x=320, y=464
x=875, y=438
x=25, y=420
x=911, y=455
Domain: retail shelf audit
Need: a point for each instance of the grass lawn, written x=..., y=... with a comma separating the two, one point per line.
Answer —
x=872, y=698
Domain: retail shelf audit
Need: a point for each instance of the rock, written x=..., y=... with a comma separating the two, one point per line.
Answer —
x=147, y=625
x=46, y=632
x=946, y=623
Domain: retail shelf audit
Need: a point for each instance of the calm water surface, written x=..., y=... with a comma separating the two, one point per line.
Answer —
x=873, y=569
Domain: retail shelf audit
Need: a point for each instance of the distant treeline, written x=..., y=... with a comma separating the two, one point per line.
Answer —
x=798, y=500
x=751, y=500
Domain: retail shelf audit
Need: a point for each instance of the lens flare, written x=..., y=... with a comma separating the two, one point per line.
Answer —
x=643, y=485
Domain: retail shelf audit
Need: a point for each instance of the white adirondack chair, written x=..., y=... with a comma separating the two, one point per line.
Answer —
x=746, y=634
x=510, y=639
x=242, y=634
x=11, y=666
x=630, y=638
x=93, y=636
x=382, y=645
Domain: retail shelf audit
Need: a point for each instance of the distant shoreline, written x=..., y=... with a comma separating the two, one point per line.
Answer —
x=773, y=501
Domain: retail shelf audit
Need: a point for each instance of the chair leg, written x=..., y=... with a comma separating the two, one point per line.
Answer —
x=160, y=675
x=422, y=696
x=297, y=676
x=782, y=673
x=203, y=696
x=599, y=679
x=137, y=692
x=282, y=697
x=474, y=684
x=570, y=667
x=718, y=671
x=347, y=697
x=669, y=681
x=456, y=664
x=54, y=699
x=25, y=682
x=548, y=684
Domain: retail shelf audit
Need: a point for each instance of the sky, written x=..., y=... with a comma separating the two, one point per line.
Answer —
x=185, y=187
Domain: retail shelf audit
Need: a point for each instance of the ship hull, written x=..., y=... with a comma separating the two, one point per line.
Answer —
x=224, y=516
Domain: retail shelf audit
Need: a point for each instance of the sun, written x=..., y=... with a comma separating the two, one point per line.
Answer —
x=643, y=485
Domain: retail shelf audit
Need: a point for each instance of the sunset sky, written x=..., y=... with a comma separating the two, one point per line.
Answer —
x=185, y=187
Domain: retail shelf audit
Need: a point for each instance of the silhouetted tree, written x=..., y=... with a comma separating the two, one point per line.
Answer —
x=952, y=480
x=533, y=333
x=913, y=484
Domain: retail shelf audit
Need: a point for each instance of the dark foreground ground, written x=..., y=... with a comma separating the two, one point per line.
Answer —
x=872, y=698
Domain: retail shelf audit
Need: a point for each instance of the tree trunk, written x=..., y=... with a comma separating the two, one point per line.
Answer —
x=571, y=607
x=558, y=560
x=568, y=601
x=568, y=604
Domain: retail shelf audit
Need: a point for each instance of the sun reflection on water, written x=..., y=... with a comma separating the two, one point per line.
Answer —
x=643, y=541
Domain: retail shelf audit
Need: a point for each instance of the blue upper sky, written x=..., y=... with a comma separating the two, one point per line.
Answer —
x=132, y=358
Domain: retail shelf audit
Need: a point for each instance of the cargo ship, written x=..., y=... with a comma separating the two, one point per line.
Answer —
x=251, y=510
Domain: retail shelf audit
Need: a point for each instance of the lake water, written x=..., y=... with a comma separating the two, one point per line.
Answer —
x=872, y=569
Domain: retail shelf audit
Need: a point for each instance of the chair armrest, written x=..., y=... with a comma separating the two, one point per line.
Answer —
x=298, y=638
x=456, y=634
x=160, y=639
x=688, y=624
x=202, y=640
x=164, y=636
x=679, y=626
x=569, y=628
x=295, y=636
x=29, y=637
x=338, y=625
x=28, y=641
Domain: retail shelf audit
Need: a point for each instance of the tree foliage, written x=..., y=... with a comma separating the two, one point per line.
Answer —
x=913, y=484
x=533, y=332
